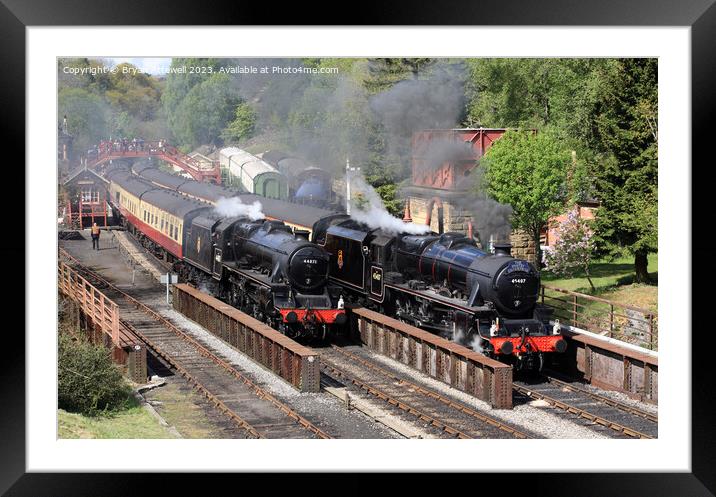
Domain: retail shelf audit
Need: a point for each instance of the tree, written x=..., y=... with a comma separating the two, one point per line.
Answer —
x=528, y=172
x=87, y=116
x=243, y=125
x=133, y=92
x=626, y=181
x=177, y=89
x=204, y=112
x=100, y=104
x=574, y=248
x=382, y=73
x=534, y=93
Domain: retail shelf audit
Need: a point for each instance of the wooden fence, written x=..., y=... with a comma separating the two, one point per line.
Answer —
x=101, y=310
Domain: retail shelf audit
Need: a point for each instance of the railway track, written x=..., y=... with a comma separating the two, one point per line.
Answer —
x=448, y=417
x=622, y=406
x=598, y=410
x=258, y=413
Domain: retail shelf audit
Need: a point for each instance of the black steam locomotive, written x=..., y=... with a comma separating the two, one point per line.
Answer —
x=259, y=266
x=264, y=269
x=447, y=285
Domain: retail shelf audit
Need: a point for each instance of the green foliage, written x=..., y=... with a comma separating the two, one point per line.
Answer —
x=88, y=382
x=104, y=104
x=87, y=116
x=388, y=194
x=177, y=88
x=136, y=94
x=626, y=129
x=528, y=172
x=243, y=125
x=537, y=93
x=204, y=112
x=605, y=110
x=383, y=73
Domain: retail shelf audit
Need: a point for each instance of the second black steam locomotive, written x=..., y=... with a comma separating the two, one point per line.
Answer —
x=445, y=284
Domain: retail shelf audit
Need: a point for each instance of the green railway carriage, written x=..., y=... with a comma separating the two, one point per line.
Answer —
x=252, y=174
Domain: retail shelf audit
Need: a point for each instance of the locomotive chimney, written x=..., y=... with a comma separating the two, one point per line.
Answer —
x=503, y=249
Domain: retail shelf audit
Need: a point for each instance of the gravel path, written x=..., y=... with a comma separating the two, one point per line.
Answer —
x=534, y=417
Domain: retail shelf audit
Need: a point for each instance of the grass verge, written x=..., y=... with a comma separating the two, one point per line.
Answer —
x=613, y=281
x=132, y=422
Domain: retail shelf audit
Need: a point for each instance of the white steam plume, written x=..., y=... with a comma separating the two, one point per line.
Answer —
x=373, y=213
x=233, y=207
x=475, y=345
x=471, y=341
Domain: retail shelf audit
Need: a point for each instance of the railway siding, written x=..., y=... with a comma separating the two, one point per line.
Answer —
x=295, y=363
x=458, y=366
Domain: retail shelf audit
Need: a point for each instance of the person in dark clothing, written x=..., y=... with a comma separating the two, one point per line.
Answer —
x=95, y=236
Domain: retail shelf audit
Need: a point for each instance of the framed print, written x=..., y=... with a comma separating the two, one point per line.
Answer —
x=185, y=121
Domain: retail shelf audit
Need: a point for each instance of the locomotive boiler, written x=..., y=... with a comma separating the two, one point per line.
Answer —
x=454, y=262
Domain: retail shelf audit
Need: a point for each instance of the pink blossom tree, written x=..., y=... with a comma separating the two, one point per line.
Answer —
x=574, y=248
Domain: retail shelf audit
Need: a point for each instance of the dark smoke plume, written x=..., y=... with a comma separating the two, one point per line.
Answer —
x=441, y=151
x=490, y=218
x=435, y=100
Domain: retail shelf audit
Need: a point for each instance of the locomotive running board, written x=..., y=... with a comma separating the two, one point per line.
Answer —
x=454, y=303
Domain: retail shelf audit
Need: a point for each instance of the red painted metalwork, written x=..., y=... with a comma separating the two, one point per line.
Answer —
x=546, y=343
x=87, y=210
x=327, y=316
x=161, y=150
x=456, y=151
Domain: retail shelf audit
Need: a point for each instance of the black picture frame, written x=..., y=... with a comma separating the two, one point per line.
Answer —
x=700, y=15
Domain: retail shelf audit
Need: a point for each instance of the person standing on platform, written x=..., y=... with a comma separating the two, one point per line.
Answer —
x=95, y=236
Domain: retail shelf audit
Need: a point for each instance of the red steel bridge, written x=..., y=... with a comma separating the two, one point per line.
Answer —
x=110, y=150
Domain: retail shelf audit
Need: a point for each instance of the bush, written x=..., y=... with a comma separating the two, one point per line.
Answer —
x=88, y=382
x=573, y=251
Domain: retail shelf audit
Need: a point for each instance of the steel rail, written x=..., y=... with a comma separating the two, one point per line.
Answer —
x=333, y=370
x=605, y=400
x=434, y=395
x=582, y=413
x=242, y=423
x=261, y=393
